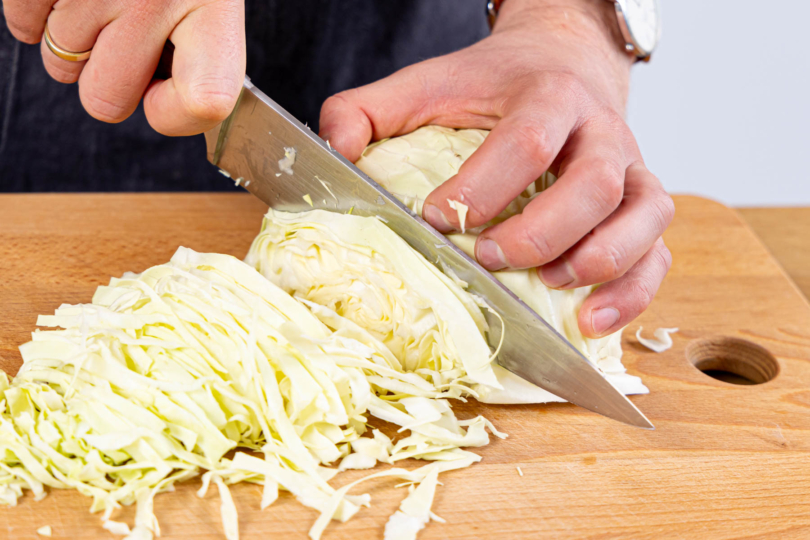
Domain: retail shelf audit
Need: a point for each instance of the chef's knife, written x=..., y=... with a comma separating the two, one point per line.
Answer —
x=258, y=134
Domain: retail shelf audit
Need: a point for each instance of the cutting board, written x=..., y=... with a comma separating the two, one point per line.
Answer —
x=725, y=460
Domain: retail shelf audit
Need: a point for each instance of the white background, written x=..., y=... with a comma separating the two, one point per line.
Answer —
x=723, y=109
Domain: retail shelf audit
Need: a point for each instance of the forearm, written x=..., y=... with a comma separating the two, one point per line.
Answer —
x=579, y=35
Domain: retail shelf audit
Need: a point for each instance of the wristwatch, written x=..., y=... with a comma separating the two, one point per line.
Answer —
x=639, y=22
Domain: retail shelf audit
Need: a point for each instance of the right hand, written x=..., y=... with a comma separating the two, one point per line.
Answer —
x=127, y=38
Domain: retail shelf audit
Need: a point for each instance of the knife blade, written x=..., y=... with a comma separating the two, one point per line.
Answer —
x=248, y=146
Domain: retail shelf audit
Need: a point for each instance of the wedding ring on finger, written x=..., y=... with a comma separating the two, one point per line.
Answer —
x=64, y=54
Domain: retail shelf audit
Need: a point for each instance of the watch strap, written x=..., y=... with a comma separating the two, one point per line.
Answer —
x=493, y=7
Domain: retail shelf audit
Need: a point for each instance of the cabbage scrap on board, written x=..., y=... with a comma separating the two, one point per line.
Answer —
x=201, y=364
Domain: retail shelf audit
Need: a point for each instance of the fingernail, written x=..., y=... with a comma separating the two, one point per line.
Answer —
x=489, y=255
x=436, y=217
x=603, y=319
x=557, y=274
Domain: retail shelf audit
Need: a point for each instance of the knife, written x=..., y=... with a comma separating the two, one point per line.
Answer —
x=248, y=146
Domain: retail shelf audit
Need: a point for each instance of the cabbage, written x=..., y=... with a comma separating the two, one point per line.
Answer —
x=168, y=372
x=662, y=341
x=415, y=164
x=360, y=269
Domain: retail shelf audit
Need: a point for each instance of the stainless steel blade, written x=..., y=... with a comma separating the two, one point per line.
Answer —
x=249, y=145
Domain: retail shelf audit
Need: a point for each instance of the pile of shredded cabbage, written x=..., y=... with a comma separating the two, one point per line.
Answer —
x=202, y=365
x=168, y=371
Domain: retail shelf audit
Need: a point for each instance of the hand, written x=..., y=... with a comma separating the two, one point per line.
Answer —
x=127, y=38
x=551, y=83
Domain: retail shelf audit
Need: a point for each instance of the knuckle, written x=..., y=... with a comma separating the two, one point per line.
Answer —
x=603, y=263
x=60, y=74
x=663, y=210
x=103, y=108
x=22, y=33
x=336, y=101
x=533, y=140
x=665, y=256
x=614, y=121
x=566, y=82
x=608, y=178
x=644, y=293
x=616, y=127
x=640, y=294
x=539, y=245
x=641, y=290
x=212, y=99
x=477, y=209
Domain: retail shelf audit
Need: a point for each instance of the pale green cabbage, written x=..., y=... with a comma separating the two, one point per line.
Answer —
x=363, y=271
x=168, y=371
x=415, y=164
x=359, y=268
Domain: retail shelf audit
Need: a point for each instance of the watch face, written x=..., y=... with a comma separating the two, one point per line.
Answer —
x=643, y=19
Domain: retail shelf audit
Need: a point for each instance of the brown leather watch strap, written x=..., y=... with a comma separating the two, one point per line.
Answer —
x=493, y=6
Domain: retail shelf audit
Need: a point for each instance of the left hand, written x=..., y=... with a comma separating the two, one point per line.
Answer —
x=127, y=38
x=551, y=83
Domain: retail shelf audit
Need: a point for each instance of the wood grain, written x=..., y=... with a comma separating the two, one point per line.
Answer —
x=725, y=461
x=786, y=234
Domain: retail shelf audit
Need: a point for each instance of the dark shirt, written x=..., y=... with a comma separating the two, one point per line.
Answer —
x=298, y=51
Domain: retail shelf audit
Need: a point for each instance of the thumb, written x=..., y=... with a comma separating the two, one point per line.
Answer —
x=392, y=106
x=208, y=69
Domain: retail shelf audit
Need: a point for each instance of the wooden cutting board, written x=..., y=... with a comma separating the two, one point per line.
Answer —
x=725, y=461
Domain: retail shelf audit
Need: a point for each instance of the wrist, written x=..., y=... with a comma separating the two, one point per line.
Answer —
x=584, y=34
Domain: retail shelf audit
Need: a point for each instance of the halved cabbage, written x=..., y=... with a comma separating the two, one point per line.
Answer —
x=359, y=268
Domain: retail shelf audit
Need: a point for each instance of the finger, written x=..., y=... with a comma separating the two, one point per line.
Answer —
x=208, y=69
x=589, y=189
x=410, y=98
x=620, y=241
x=350, y=120
x=74, y=27
x=614, y=304
x=26, y=19
x=517, y=151
x=124, y=59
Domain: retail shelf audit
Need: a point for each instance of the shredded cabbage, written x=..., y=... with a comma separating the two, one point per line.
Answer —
x=168, y=372
x=461, y=209
x=286, y=163
x=662, y=341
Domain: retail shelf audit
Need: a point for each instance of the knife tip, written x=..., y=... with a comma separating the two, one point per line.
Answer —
x=636, y=418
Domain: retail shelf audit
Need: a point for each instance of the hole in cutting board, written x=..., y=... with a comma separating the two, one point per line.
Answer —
x=733, y=360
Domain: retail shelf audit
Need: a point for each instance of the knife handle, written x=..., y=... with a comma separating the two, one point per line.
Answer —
x=164, y=67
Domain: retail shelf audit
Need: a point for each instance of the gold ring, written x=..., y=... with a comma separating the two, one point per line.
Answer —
x=62, y=53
